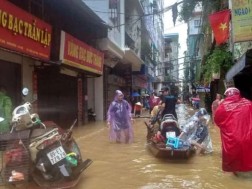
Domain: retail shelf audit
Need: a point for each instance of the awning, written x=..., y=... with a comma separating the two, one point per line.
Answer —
x=131, y=57
x=79, y=11
x=242, y=64
x=106, y=44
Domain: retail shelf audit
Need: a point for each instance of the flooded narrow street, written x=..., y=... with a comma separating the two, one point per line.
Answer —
x=134, y=167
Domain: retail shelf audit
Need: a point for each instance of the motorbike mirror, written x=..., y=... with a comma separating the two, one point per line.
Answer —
x=1, y=119
x=25, y=91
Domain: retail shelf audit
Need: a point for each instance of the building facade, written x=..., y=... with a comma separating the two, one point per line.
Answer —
x=52, y=58
x=171, y=57
x=133, y=69
x=153, y=42
x=78, y=64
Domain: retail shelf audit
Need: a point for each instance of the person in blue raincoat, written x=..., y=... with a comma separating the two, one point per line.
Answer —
x=5, y=110
x=119, y=120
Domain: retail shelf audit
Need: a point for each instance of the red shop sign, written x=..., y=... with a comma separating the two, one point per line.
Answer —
x=76, y=53
x=23, y=32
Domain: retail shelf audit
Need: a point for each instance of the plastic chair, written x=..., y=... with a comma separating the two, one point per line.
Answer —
x=174, y=142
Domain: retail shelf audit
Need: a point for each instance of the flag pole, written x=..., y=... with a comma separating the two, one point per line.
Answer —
x=232, y=32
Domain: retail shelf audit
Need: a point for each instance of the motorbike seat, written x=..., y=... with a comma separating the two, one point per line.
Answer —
x=39, y=133
x=169, y=126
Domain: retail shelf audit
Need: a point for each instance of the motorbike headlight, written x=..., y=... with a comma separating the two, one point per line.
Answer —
x=21, y=110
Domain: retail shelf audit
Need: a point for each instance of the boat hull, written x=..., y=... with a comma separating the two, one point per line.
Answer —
x=161, y=151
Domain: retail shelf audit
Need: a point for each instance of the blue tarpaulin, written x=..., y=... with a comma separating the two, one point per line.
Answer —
x=135, y=94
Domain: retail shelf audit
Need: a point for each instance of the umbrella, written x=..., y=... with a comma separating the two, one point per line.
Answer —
x=135, y=94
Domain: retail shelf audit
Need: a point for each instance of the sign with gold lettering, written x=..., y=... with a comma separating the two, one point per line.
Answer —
x=23, y=32
x=76, y=53
x=242, y=20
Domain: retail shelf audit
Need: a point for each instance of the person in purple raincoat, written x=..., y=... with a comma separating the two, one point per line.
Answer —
x=119, y=120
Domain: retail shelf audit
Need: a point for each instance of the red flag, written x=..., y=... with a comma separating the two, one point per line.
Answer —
x=219, y=22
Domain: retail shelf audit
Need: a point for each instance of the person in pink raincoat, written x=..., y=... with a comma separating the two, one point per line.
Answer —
x=234, y=118
x=119, y=120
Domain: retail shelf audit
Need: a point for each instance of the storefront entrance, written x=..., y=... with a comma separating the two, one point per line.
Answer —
x=10, y=77
x=57, y=96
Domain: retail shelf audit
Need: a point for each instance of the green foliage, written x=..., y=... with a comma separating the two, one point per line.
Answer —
x=187, y=9
x=208, y=6
x=217, y=62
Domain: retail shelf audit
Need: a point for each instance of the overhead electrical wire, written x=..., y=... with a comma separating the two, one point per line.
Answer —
x=145, y=15
x=140, y=16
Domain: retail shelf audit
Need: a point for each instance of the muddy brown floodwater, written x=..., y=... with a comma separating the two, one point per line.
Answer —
x=132, y=166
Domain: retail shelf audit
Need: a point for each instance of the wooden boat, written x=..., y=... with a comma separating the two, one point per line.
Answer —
x=160, y=149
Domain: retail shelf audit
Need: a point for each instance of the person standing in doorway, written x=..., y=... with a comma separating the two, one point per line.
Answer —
x=5, y=110
x=119, y=120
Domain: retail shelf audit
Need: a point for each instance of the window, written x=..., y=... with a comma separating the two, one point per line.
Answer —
x=197, y=23
x=114, y=7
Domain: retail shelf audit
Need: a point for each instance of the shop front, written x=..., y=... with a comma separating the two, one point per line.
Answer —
x=63, y=90
x=117, y=78
x=241, y=75
x=24, y=41
x=10, y=78
x=139, y=84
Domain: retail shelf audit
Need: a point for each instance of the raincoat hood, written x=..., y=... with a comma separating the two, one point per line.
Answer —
x=231, y=92
x=117, y=94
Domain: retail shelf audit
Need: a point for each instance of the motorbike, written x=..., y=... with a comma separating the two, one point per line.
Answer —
x=166, y=144
x=40, y=151
x=91, y=115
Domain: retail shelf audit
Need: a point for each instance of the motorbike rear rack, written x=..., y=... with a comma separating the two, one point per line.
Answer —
x=14, y=157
